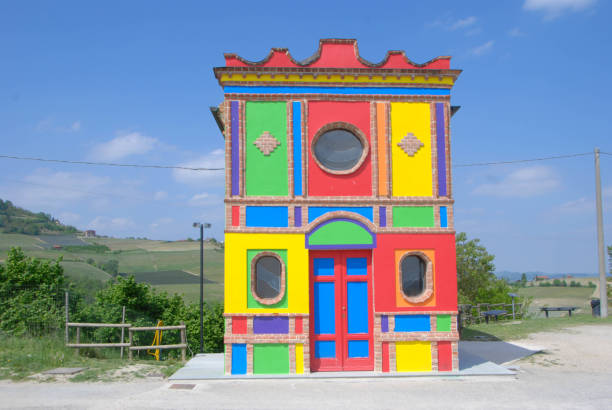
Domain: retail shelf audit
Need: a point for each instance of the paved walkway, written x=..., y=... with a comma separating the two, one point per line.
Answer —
x=475, y=359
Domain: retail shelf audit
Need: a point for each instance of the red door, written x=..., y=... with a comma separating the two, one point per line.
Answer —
x=341, y=310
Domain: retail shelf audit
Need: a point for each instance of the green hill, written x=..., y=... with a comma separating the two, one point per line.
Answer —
x=14, y=219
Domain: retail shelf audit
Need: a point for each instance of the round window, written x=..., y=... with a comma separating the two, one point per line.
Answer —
x=339, y=150
x=267, y=278
x=413, y=271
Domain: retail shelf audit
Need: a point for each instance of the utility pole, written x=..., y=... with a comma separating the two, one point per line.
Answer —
x=201, y=288
x=603, y=288
x=201, y=226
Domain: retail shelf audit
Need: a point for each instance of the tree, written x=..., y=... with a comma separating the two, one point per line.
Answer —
x=475, y=278
x=30, y=294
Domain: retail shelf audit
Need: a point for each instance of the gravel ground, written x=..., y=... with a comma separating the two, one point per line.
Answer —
x=575, y=371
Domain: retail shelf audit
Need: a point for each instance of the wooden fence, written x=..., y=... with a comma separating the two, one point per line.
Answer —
x=131, y=330
x=182, y=345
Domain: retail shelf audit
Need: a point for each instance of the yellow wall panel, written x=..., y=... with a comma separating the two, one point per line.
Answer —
x=236, y=282
x=413, y=356
x=411, y=175
x=299, y=358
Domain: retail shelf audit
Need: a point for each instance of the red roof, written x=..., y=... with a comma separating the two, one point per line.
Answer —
x=337, y=53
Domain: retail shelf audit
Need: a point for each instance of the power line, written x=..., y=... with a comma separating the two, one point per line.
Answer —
x=480, y=164
x=108, y=164
x=113, y=164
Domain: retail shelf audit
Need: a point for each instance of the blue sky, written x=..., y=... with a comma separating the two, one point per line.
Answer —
x=132, y=82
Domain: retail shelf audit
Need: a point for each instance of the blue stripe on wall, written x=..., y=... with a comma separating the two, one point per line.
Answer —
x=324, y=308
x=412, y=323
x=335, y=90
x=443, y=217
x=267, y=216
x=357, y=307
x=239, y=358
x=316, y=211
x=297, y=148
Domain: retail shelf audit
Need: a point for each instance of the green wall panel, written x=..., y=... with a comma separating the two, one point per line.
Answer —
x=413, y=216
x=340, y=233
x=266, y=175
x=270, y=358
x=251, y=302
x=443, y=323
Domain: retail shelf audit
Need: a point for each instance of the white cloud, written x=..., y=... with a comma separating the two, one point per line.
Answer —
x=483, y=48
x=46, y=188
x=554, y=8
x=159, y=195
x=123, y=146
x=161, y=222
x=103, y=223
x=214, y=159
x=515, y=32
x=50, y=124
x=522, y=183
x=578, y=206
x=204, y=199
x=463, y=23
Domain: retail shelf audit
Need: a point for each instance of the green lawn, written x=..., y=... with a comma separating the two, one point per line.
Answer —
x=21, y=357
x=512, y=330
x=558, y=296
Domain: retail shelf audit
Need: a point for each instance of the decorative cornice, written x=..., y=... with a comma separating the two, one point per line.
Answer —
x=343, y=53
x=335, y=57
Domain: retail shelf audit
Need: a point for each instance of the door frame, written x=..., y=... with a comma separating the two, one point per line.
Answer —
x=342, y=362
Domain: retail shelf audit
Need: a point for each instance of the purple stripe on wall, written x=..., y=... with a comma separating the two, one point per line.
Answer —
x=274, y=324
x=382, y=216
x=235, y=148
x=384, y=323
x=441, y=144
x=297, y=215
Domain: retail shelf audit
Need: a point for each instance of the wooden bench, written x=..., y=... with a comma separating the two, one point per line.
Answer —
x=493, y=313
x=568, y=309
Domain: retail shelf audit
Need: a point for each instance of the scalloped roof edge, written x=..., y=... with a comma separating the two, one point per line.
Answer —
x=337, y=53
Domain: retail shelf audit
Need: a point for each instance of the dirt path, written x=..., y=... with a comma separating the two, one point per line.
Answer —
x=575, y=371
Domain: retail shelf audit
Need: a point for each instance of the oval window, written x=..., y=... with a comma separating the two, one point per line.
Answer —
x=413, y=270
x=339, y=150
x=268, y=277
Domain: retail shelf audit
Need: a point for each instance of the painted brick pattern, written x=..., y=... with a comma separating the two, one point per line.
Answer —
x=233, y=111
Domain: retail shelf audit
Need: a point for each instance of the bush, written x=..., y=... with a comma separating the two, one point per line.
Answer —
x=145, y=307
x=31, y=294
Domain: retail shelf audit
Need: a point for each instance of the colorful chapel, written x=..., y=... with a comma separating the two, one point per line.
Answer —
x=339, y=236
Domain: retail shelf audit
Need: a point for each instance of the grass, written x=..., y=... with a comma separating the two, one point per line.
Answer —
x=23, y=357
x=558, y=296
x=191, y=293
x=82, y=270
x=520, y=329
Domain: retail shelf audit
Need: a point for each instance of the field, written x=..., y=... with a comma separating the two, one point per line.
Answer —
x=81, y=270
x=173, y=267
x=559, y=296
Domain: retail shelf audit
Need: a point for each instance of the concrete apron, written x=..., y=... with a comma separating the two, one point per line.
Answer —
x=475, y=359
